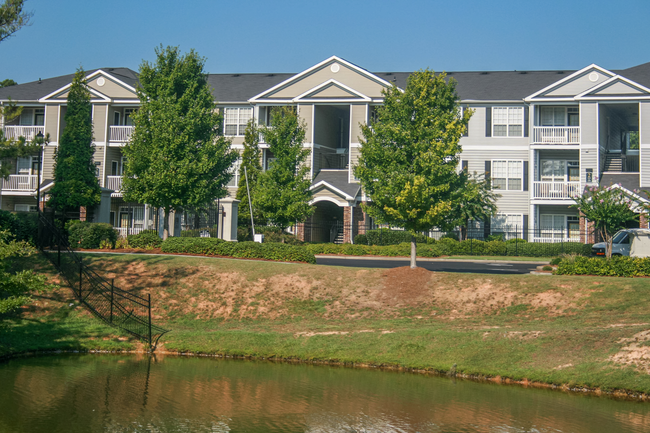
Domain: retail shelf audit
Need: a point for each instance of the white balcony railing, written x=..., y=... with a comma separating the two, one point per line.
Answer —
x=120, y=134
x=114, y=183
x=556, y=235
x=29, y=132
x=556, y=190
x=20, y=182
x=556, y=135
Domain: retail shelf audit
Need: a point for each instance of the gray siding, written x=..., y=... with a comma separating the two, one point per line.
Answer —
x=305, y=113
x=358, y=116
x=51, y=120
x=98, y=156
x=48, y=162
x=578, y=85
x=588, y=159
x=99, y=122
x=589, y=122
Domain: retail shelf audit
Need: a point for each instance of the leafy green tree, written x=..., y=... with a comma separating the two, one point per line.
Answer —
x=15, y=287
x=13, y=17
x=251, y=161
x=409, y=155
x=608, y=208
x=282, y=192
x=176, y=157
x=8, y=82
x=75, y=183
x=474, y=201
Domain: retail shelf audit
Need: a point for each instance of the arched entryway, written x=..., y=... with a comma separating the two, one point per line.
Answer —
x=326, y=222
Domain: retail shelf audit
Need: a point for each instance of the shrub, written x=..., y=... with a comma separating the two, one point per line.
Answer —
x=496, y=237
x=145, y=239
x=121, y=243
x=218, y=247
x=105, y=245
x=619, y=266
x=83, y=234
x=23, y=226
x=361, y=240
x=389, y=237
x=403, y=249
x=547, y=268
x=555, y=261
x=244, y=233
x=200, y=233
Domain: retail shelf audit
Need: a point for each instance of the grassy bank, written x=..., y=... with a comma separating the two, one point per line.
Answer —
x=582, y=331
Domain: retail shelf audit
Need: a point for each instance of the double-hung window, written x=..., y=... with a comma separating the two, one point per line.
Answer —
x=507, y=175
x=507, y=121
x=235, y=120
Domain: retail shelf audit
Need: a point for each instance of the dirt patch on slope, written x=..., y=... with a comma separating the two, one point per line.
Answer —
x=406, y=286
x=636, y=353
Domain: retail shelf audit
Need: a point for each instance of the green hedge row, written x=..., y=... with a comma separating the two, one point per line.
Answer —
x=23, y=226
x=247, y=250
x=618, y=266
x=145, y=239
x=389, y=237
x=84, y=234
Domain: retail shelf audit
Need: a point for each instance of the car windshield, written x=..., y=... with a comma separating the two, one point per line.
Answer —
x=620, y=237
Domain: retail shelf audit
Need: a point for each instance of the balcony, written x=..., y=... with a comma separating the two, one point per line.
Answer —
x=544, y=190
x=556, y=135
x=29, y=132
x=20, y=182
x=114, y=183
x=120, y=134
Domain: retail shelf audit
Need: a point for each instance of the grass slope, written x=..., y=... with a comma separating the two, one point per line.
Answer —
x=582, y=331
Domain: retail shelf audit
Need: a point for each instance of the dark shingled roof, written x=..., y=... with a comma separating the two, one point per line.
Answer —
x=479, y=86
x=627, y=180
x=339, y=180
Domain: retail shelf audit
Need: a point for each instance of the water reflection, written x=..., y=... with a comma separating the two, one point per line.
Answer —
x=145, y=394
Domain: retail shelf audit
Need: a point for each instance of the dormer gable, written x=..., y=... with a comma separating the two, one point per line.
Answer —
x=617, y=87
x=569, y=87
x=332, y=80
x=103, y=87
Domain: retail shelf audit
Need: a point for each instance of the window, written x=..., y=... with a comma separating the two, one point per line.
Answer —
x=39, y=116
x=511, y=225
x=507, y=121
x=24, y=165
x=234, y=181
x=116, y=118
x=560, y=171
x=507, y=175
x=553, y=226
x=24, y=208
x=235, y=120
x=559, y=116
x=128, y=121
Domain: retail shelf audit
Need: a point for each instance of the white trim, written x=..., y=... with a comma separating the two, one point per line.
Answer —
x=568, y=78
x=316, y=67
x=329, y=186
x=331, y=200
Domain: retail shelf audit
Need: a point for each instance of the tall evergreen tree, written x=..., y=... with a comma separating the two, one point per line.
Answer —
x=250, y=160
x=282, y=192
x=75, y=183
x=410, y=153
x=176, y=157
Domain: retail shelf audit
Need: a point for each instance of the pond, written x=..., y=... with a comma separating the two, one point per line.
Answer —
x=120, y=393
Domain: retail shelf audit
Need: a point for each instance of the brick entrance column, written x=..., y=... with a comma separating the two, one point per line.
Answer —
x=348, y=230
x=643, y=221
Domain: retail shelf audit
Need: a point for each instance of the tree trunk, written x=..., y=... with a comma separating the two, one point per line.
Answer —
x=166, y=225
x=413, y=252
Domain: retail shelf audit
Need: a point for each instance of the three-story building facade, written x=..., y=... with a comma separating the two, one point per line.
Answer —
x=541, y=136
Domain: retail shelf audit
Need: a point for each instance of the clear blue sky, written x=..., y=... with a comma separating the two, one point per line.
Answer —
x=290, y=36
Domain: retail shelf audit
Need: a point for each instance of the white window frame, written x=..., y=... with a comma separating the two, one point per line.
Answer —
x=509, y=229
x=24, y=208
x=507, y=123
x=240, y=127
x=507, y=172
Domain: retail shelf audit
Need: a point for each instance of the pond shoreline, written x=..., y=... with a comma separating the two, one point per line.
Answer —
x=618, y=394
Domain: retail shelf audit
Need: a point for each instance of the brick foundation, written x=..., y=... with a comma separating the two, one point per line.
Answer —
x=348, y=236
x=588, y=234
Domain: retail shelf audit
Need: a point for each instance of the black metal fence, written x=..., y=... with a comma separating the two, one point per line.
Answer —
x=116, y=307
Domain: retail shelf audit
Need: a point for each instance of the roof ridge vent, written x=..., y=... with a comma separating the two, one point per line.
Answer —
x=523, y=72
x=484, y=73
x=235, y=75
x=270, y=75
x=560, y=72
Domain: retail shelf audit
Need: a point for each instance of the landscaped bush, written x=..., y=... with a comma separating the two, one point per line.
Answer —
x=145, y=239
x=83, y=234
x=250, y=250
x=387, y=237
x=199, y=233
x=403, y=249
x=23, y=226
x=619, y=266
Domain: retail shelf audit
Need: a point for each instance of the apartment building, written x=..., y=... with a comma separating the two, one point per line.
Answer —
x=542, y=137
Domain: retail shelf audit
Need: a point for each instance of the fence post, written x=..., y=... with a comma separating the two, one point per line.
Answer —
x=149, y=303
x=471, y=247
x=516, y=241
x=562, y=235
x=112, y=286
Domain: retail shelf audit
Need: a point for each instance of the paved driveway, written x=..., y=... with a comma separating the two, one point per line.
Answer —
x=471, y=266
